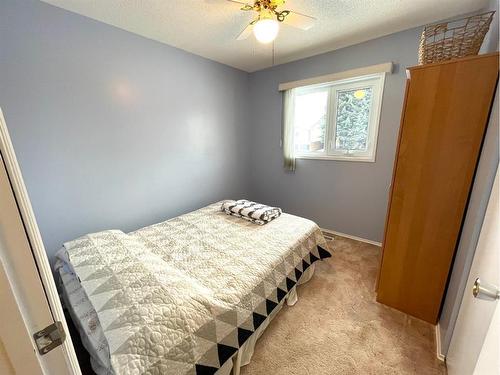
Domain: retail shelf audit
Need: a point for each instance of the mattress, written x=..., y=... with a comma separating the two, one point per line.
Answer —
x=187, y=296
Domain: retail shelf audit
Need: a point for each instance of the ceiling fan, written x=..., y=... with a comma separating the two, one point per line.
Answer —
x=267, y=24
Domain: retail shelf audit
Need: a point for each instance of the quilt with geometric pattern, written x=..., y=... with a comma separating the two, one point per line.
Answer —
x=182, y=296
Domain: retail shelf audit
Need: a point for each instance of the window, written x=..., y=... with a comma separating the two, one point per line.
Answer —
x=338, y=120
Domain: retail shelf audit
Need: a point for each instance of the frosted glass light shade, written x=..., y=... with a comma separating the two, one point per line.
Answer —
x=266, y=30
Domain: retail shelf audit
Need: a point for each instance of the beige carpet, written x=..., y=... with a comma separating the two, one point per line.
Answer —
x=337, y=327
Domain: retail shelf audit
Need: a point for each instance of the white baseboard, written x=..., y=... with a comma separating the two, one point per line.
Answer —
x=351, y=237
x=439, y=353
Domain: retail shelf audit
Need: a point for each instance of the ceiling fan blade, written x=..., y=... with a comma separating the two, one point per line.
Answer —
x=246, y=32
x=299, y=20
x=244, y=6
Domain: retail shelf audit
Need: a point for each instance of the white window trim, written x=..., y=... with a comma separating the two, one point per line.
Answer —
x=328, y=78
x=377, y=81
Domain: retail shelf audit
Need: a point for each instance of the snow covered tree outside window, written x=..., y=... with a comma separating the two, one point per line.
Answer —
x=353, y=114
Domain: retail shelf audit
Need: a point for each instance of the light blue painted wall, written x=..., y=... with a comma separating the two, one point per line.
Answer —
x=113, y=130
x=349, y=197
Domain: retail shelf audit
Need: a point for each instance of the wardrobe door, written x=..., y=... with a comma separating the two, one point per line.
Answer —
x=444, y=120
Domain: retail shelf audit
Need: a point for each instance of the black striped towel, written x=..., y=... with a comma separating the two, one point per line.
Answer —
x=251, y=211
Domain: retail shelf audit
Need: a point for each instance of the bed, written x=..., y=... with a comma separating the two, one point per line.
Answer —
x=190, y=295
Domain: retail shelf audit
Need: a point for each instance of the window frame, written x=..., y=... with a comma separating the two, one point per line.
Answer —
x=376, y=82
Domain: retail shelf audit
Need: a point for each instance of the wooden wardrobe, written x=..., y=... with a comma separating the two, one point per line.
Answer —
x=445, y=114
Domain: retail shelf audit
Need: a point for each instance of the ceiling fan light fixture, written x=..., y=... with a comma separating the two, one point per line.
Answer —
x=266, y=30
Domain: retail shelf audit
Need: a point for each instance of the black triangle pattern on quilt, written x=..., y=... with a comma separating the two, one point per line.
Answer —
x=298, y=273
x=225, y=352
x=257, y=320
x=305, y=265
x=281, y=294
x=323, y=253
x=205, y=370
x=243, y=335
x=270, y=305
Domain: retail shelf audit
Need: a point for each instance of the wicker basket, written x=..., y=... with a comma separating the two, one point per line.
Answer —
x=450, y=40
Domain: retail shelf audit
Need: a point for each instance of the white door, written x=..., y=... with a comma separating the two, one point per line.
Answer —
x=474, y=347
x=28, y=297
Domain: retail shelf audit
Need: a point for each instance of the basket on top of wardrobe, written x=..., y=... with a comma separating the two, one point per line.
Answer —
x=454, y=39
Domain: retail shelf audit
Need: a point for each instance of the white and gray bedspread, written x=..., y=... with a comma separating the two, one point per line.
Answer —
x=181, y=297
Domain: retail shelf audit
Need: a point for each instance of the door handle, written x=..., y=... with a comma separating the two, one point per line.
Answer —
x=488, y=292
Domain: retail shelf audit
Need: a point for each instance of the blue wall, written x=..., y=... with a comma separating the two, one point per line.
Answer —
x=345, y=196
x=113, y=130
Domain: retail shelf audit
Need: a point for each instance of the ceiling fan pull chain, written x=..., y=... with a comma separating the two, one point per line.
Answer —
x=272, y=63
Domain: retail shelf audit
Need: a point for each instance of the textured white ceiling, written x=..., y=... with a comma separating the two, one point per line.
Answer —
x=209, y=27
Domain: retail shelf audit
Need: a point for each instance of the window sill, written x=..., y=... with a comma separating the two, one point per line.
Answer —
x=364, y=159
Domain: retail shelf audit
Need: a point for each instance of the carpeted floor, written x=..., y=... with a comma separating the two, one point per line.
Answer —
x=337, y=327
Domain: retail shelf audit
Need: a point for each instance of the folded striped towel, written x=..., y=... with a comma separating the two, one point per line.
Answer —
x=251, y=211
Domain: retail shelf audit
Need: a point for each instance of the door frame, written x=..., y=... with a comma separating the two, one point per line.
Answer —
x=464, y=351
x=36, y=244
